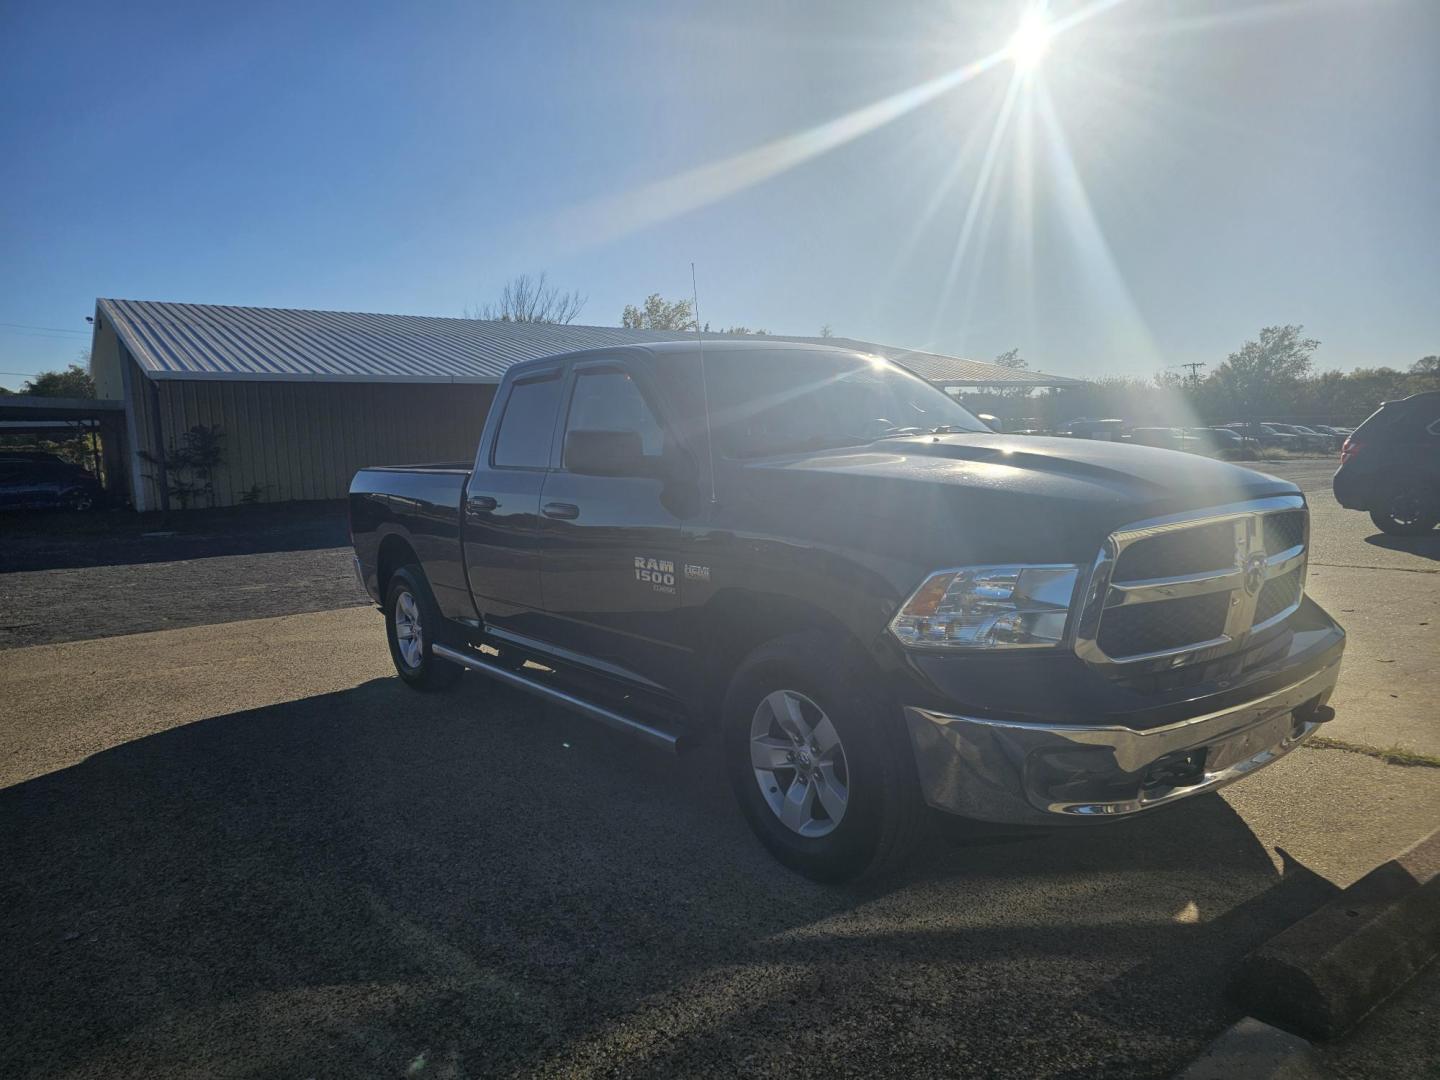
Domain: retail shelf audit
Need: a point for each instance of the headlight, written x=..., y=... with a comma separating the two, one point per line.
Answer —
x=989, y=607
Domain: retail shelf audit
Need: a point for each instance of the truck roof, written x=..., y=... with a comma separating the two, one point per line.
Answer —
x=713, y=347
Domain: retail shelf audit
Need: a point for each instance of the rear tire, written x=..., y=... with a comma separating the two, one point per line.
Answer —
x=411, y=619
x=1411, y=509
x=820, y=762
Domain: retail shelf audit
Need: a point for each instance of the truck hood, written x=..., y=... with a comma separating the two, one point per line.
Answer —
x=1005, y=496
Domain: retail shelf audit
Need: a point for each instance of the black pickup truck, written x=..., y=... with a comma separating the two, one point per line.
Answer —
x=877, y=605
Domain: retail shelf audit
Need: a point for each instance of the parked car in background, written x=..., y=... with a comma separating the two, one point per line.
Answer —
x=1341, y=433
x=1266, y=435
x=1328, y=439
x=1219, y=441
x=1391, y=466
x=1167, y=438
x=1308, y=439
x=1084, y=428
x=31, y=481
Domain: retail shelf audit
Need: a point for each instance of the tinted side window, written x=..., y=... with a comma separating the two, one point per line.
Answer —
x=1381, y=420
x=609, y=400
x=523, y=441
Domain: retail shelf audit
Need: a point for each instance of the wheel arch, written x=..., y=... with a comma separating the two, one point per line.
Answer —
x=739, y=621
x=395, y=551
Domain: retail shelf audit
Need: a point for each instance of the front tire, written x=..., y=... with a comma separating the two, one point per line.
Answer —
x=411, y=620
x=1410, y=510
x=820, y=763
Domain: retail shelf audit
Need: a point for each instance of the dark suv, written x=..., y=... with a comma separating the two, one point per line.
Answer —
x=1391, y=466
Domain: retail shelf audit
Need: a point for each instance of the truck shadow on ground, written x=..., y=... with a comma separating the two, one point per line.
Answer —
x=372, y=881
x=1426, y=546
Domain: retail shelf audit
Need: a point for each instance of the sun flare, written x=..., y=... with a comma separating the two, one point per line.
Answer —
x=1030, y=42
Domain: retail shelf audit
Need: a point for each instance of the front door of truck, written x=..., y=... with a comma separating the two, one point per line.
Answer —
x=611, y=566
x=501, y=503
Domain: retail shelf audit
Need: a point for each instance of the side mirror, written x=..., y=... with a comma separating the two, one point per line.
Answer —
x=607, y=453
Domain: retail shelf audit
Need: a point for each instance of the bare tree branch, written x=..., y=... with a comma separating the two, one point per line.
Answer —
x=532, y=300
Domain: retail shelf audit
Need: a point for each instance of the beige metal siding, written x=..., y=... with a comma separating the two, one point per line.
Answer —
x=305, y=440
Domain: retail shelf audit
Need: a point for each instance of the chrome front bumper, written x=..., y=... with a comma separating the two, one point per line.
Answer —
x=1024, y=773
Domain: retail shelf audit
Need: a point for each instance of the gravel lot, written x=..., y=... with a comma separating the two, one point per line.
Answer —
x=243, y=849
x=67, y=577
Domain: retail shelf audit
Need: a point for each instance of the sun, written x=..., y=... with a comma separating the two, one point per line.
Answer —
x=1030, y=42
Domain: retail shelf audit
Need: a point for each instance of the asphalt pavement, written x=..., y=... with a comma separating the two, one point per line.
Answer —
x=1385, y=591
x=244, y=849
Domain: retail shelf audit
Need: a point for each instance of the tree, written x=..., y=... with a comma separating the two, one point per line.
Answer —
x=825, y=331
x=1263, y=374
x=1426, y=365
x=188, y=470
x=659, y=314
x=73, y=382
x=1012, y=359
x=531, y=300
x=742, y=330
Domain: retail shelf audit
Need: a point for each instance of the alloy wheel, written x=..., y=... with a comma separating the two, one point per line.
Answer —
x=799, y=763
x=409, y=635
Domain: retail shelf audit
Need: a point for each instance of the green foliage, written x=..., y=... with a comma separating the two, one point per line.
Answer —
x=73, y=382
x=189, y=467
x=659, y=314
x=1263, y=374
x=742, y=330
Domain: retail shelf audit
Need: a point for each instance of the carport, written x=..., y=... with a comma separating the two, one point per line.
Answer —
x=52, y=418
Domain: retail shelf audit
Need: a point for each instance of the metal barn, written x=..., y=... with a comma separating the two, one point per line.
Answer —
x=305, y=398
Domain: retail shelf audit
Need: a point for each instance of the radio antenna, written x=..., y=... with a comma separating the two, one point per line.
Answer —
x=704, y=385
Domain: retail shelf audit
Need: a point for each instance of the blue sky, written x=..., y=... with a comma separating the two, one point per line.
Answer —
x=1173, y=176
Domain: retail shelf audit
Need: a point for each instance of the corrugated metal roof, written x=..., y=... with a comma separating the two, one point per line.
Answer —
x=213, y=341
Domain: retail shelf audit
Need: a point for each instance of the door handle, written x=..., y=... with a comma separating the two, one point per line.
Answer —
x=563, y=511
x=482, y=502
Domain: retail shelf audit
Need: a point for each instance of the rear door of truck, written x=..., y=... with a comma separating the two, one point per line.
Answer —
x=501, y=503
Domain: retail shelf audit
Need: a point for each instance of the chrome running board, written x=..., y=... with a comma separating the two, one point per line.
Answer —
x=652, y=735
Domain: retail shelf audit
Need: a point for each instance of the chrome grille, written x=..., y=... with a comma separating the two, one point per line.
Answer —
x=1279, y=595
x=1194, y=586
x=1284, y=530
x=1165, y=624
x=1183, y=551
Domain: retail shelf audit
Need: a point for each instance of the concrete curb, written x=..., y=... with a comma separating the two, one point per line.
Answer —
x=1254, y=1051
x=1319, y=977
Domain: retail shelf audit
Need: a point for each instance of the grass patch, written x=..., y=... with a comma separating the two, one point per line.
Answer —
x=1391, y=755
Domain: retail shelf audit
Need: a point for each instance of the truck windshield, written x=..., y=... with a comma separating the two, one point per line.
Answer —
x=764, y=403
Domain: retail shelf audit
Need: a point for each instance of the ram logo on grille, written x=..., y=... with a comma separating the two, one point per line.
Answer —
x=1255, y=573
x=1195, y=586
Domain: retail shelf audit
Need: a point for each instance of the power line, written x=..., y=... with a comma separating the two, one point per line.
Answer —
x=55, y=329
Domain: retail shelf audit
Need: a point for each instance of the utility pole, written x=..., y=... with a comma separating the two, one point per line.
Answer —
x=1194, y=373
